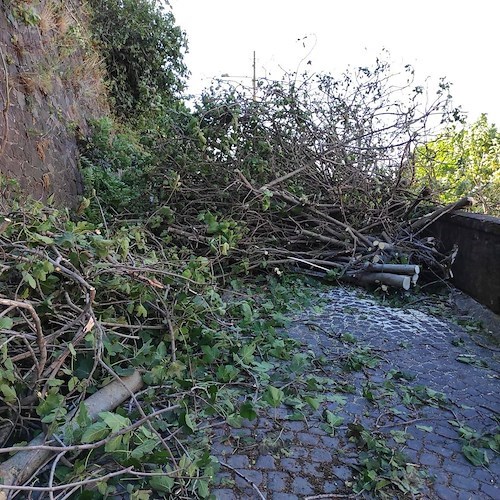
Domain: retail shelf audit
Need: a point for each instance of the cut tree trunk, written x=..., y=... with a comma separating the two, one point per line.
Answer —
x=390, y=279
x=406, y=269
x=21, y=466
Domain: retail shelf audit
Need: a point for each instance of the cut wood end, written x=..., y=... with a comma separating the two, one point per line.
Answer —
x=406, y=283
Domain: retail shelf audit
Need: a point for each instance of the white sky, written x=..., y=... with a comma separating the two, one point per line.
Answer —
x=456, y=39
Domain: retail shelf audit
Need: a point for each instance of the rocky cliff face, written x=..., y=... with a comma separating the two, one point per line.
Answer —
x=51, y=84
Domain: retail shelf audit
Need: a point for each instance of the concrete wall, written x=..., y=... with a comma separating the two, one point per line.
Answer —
x=477, y=266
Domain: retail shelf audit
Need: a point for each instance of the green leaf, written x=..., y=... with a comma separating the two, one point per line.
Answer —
x=246, y=311
x=227, y=373
x=189, y=422
x=141, y=311
x=333, y=419
x=82, y=417
x=312, y=402
x=203, y=489
x=144, y=449
x=235, y=420
x=8, y=392
x=42, y=239
x=475, y=456
x=114, y=444
x=247, y=410
x=163, y=484
x=29, y=279
x=274, y=396
x=6, y=323
x=426, y=428
x=337, y=398
x=50, y=403
x=96, y=432
x=114, y=421
x=400, y=437
x=246, y=353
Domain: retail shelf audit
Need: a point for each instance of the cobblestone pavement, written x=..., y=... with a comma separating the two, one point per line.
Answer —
x=433, y=385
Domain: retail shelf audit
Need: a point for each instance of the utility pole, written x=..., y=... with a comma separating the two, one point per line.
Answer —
x=254, y=79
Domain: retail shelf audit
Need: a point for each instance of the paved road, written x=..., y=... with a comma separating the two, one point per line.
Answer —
x=433, y=396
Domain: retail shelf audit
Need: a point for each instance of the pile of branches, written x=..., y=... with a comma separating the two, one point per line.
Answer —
x=317, y=175
x=85, y=319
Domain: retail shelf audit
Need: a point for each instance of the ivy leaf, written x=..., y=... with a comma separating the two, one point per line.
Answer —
x=96, y=432
x=227, y=373
x=82, y=417
x=246, y=311
x=333, y=420
x=42, y=239
x=29, y=279
x=113, y=444
x=246, y=353
x=312, y=402
x=400, y=437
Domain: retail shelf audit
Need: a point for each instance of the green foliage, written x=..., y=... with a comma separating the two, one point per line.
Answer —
x=383, y=470
x=143, y=50
x=117, y=167
x=464, y=161
x=223, y=345
x=475, y=446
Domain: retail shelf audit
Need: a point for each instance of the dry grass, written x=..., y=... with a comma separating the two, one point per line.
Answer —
x=41, y=147
x=42, y=80
x=27, y=80
x=47, y=23
x=64, y=21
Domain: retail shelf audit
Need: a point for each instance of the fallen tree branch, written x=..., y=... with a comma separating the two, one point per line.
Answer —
x=419, y=225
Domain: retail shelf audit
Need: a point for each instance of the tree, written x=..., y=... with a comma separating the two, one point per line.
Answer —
x=143, y=50
x=464, y=161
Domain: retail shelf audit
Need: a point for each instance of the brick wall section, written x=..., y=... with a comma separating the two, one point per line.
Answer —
x=477, y=266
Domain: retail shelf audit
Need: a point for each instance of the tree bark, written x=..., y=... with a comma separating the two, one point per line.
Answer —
x=21, y=466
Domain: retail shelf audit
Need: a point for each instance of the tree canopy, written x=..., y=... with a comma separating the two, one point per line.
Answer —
x=464, y=161
x=143, y=50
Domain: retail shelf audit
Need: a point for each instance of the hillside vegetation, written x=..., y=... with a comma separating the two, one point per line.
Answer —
x=177, y=270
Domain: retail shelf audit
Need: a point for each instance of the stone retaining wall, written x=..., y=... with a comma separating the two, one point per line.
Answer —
x=51, y=84
x=477, y=266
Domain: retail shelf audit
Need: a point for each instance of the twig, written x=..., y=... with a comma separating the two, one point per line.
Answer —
x=84, y=482
x=238, y=473
x=284, y=178
x=96, y=444
x=38, y=329
x=330, y=495
x=5, y=110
